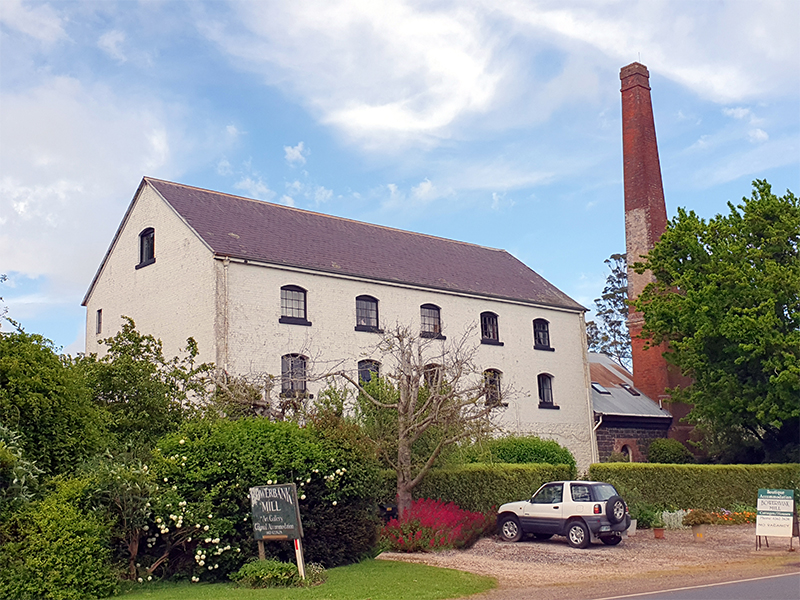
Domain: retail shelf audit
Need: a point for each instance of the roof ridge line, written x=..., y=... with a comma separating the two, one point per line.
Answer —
x=303, y=210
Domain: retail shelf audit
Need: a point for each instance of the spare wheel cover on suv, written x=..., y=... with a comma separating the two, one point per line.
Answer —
x=615, y=510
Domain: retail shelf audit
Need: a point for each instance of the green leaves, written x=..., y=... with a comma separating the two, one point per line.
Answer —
x=727, y=298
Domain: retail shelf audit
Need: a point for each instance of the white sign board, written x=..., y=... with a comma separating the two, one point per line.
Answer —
x=775, y=513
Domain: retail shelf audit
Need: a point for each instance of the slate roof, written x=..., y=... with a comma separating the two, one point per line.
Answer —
x=251, y=229
x=619, y=401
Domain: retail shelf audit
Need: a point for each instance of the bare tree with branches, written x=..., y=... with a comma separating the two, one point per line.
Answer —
x=438, y=386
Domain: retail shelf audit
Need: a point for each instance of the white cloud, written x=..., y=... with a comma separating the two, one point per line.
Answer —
x=313, y=193
x=287, y=200
x=254, y=188
x=110, y=43
x=41, y=22
x=738, y=112
x=71, y=157
x=500, y=201
x=295, y=155
x=224, y=167
x=757, y=136
x=397, y=72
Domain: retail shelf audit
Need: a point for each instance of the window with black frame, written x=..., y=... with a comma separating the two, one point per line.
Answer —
x=541, y=335
x=293, y=374
x=293, y=306
x=490, y=332
x=367, y=314
x=545, y=383
x=147, y=247
x=431, y=320
x=491, y=386
x=368, y=369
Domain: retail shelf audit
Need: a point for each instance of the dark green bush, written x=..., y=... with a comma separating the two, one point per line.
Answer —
x=205, y=472
x=55, y=550
x=273, y=573
x=529, y=450
x=512, y=449
x=695, y=486
x=668, y=451
x=481, y=487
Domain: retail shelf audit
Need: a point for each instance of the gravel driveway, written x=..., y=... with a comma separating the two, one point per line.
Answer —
x=545, y=564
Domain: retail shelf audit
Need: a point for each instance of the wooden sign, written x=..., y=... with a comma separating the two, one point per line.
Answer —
x=276, y=515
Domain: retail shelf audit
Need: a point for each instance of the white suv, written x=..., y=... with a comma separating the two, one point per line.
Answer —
x=580, y=510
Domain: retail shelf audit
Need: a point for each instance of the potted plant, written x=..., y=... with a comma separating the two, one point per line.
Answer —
x=698, y=519
x=658, y=527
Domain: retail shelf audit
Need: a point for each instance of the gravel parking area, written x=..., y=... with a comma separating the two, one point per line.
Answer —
x=539, y=564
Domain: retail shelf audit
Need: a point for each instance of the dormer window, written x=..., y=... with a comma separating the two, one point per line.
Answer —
x=147, y=247
x=541, y=335
x=293, y=306
x=430, y=317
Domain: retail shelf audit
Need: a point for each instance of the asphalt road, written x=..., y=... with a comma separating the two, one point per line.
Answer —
x=775, y=587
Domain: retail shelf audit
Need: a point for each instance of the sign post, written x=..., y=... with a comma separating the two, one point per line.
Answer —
x=775, y=515
x=276, y=516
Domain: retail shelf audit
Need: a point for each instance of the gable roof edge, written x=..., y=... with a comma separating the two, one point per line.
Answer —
x=113, y=243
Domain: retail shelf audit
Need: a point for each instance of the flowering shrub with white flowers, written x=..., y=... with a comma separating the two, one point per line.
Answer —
x=200, y=525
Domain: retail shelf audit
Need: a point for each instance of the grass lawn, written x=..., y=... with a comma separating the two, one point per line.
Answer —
x=371, y=579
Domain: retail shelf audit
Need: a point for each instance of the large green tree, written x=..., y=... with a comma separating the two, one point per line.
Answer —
x=146, y=395
x=46, y=399
x=609, y=333
x=727, y=299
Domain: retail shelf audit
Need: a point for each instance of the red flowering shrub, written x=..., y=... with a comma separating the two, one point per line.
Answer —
x=433, y=525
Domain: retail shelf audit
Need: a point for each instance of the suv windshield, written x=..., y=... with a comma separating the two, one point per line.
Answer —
x=604, y=491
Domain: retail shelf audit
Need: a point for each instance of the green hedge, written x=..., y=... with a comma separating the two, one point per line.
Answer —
x=481, y=487
x=696, y=486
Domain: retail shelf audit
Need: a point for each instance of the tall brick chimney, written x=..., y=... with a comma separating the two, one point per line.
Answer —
x=645, y=221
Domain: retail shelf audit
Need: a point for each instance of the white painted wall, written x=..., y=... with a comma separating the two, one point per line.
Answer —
x=172, y=298
x=257, y=341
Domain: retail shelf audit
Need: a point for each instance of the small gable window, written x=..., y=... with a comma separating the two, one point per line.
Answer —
x=293, y=306
x=368, y=369
x=490, y=333
x=293, y=374
x=367, y=314
x=430, y=317
x=147, y=247
x=545, y=382
x=491, y=387
x=541, y=335
x=99, y=322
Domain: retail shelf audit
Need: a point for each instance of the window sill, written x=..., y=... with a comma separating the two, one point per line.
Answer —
x=298, y=395
x=145, y=263
x=431, y=335
x=369, y=329
x=294, y=321
x=545, y=348
x=491, y=342
x=549, y=405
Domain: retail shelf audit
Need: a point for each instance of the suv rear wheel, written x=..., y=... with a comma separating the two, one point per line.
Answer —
x=578, y=534
x=510, y=531
x=612, y=540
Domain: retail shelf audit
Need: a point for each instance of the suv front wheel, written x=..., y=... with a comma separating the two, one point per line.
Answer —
x=510, y=531
x=578, y=534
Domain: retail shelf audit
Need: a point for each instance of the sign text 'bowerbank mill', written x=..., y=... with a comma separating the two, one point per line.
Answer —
x=276, y=514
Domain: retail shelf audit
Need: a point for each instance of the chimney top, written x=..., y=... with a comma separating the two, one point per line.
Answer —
x=635, y=74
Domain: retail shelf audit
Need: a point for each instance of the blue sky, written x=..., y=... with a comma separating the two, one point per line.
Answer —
x=491, y=122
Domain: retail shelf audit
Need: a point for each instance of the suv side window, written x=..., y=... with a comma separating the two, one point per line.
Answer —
x=551, y=494
x=580, y=493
